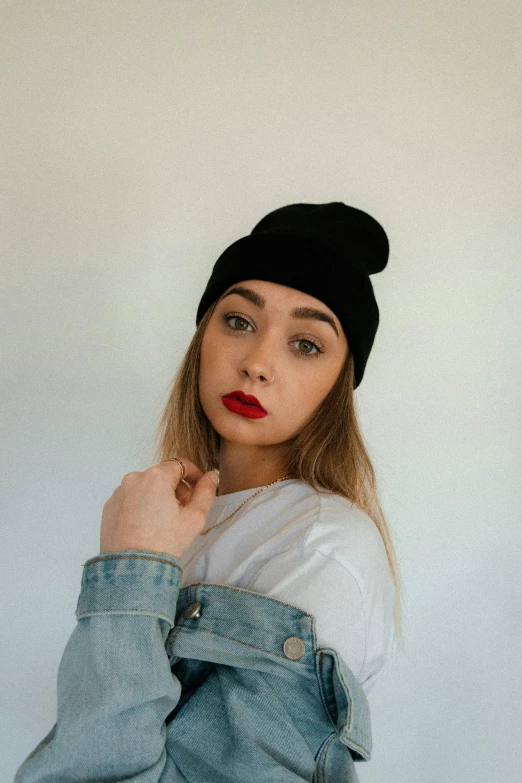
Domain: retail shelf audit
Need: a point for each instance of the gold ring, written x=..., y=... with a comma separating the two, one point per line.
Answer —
x=182, y=466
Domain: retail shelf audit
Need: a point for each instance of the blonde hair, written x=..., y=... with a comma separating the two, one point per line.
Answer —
x=328, y=453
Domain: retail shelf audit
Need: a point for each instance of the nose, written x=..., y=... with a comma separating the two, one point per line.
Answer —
x=257, y=371
x=259, y=362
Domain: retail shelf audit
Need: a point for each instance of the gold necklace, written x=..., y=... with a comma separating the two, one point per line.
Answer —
x=204, y=533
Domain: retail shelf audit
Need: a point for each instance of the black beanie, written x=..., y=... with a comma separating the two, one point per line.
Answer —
x=328, y=251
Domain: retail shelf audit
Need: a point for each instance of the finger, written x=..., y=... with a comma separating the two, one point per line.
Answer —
x=192, y=472
x=203, y=494
x=183, y=492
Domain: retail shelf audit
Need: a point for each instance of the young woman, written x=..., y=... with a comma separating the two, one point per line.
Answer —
x=235, y=637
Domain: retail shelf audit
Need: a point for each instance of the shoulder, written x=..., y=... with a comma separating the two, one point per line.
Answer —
x=343, y=532
x=335, y=567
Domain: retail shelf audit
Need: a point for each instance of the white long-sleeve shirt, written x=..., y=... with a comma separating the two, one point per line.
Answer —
x=318, y=552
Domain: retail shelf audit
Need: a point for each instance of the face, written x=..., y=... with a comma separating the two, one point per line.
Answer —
x=245, y=345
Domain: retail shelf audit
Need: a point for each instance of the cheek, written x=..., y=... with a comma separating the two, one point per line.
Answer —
x=208, y=349
x=307, y=395
x=217, y=354
x=296, y=400
x=211, y=365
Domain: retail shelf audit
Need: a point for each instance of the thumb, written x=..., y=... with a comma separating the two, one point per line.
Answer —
x=204, y=493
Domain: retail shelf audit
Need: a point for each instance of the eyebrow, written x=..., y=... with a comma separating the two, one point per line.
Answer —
x=297, y=312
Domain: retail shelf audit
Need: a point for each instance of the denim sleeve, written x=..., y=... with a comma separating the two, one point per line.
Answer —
x=115, y=686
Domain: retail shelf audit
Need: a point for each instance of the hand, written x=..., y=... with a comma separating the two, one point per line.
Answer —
x=153, y=511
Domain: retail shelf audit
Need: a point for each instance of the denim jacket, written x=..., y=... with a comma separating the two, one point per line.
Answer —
x=205, y=684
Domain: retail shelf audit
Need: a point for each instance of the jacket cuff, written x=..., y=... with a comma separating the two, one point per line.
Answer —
x=130, y=582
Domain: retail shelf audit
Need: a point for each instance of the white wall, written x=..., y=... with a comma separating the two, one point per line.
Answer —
x=138, y=140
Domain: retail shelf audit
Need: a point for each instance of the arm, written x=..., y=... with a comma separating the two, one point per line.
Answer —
x=350, y=592
x=115, y=687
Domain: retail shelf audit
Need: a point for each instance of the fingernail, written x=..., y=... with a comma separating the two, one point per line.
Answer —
x=215, y=478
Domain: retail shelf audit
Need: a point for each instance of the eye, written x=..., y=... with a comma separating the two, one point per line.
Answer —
x=302, y=354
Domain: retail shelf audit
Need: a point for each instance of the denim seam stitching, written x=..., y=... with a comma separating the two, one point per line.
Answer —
x=349, y=725
x=321, y=692
x=201, y=585
x=322, y=760
x=350, y=708
x=233, y=639
x=149, y=612
x=141, y=557
x=357, y=745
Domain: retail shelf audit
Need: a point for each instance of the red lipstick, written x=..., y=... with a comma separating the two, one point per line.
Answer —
x=244, y=404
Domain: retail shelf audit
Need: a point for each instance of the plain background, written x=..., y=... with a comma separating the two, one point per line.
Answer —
x=138, y=140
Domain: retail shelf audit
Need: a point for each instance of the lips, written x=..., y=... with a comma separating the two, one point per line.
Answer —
x=248, y=399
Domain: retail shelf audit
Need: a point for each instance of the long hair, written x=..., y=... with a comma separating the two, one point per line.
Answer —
x=328, y=453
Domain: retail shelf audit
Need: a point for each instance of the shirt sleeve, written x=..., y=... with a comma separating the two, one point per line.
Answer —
x=353, y=607
x=115, y=687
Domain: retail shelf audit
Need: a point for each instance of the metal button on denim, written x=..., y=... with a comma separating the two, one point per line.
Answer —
x=231, y=665
x=193, y=611
x=294, y=648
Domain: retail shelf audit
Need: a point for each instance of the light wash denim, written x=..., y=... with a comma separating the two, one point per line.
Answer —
x=204, y=684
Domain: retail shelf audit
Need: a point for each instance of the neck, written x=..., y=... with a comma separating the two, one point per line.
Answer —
x=243, y=468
